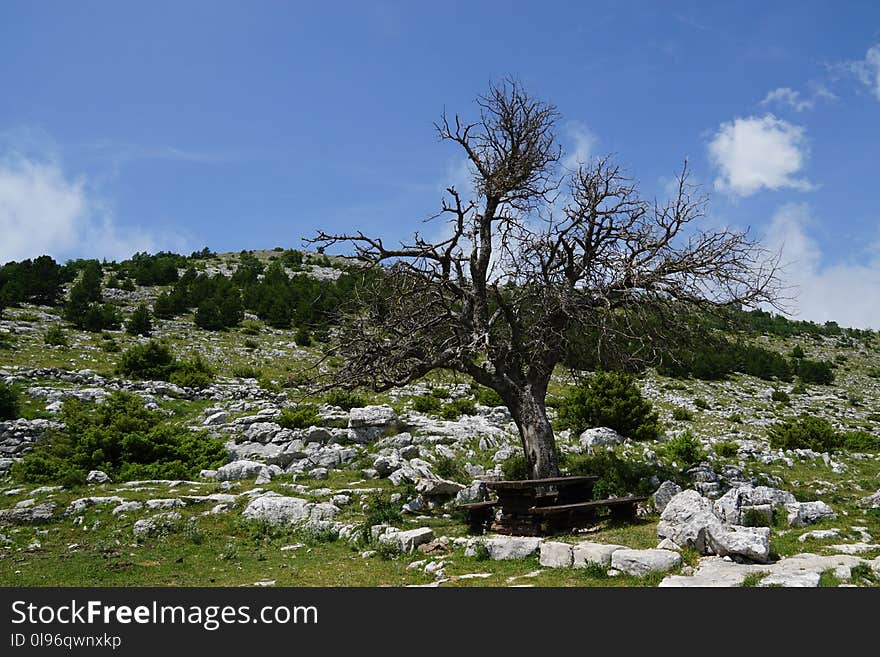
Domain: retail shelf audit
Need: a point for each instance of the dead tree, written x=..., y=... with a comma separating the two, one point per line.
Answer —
x=535, y=255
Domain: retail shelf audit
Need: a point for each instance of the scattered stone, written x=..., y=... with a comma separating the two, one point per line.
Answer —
x=586, y=553
x=407, y=541
x=507, y=547
x=556, y=555
x=667, y=490
x=599, y=437
x=808, y=513
x=97, y=477
x=158, y=525
x=32, y=515
x=644, y=562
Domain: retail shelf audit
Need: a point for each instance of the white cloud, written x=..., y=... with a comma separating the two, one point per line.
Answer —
x=868, y=70
x=845, y=292
x=45, y=211
x=582, y=142
x=790, y=97
x=756, y=153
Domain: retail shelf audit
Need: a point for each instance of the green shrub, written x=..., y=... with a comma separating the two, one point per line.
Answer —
x=685, y=448
x=797, y=352
x=609, y=400
x=805, y=432
x=10, y=406
x=813, y=371
x=140, y=322
x=682, y=415
x=246, y=371
x=300, y=417
x=448, y=468
x=55, y=336
x=735, y=418
x=439, y=393
x=515, y=468
x=122, y=438
x=616, y=477
x=344, y=399
x=487, y=396
x=427, y=404
x=726, y=449
x=458, y=407
x=754, y=518
x=380, y=510
x=780, y=396
x=702, y=404
x=153, y=361
x=861, y=441
x=302, y=337
x=192, y=373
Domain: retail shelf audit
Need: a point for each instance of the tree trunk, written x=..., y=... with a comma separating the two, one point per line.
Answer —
x=539, y=444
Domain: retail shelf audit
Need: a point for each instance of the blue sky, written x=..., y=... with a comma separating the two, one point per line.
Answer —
x=130, y=126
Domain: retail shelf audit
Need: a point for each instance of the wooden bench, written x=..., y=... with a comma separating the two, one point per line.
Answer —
x=479, y=514
x=566, y=516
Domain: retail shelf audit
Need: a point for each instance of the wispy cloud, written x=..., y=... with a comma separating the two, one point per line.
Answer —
x=756, y=153
x=867, y=70
x=45, y=210
x=847, y=292
x=794, y=99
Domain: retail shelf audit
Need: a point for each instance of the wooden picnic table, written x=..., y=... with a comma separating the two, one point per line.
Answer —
x=517, y=499
x=533, y=507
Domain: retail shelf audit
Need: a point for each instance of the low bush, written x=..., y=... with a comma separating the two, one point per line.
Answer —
x=861, y=441
x=122, y=438
x=617, y=477
x=682, y=415
x=726, y=449
x=9, y=402
x=300, y=417
x=515, y=468
x=246, y=371
x=458, y=407
x=610, y=400
x=427, y=404
x=487, y=396
x=302, y=337
x=448, y=468
x=701, y=403
x=805, y=432
x=140, y=322
x=153, y=361
x=192, y=373
x=815, y=371
x=780, y=396
x=55, y=336
x=685, y=448
x=344, y=399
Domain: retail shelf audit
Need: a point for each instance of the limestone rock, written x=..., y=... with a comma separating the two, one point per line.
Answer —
x=97, y=477
x=32, y=515
x=643, y=562
x=586, y=553
x=667, y=490
x=278, y=509
x=556, y=555
x=599, y=437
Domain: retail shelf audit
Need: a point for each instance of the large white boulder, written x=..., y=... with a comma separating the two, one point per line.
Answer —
x=409, y=540
x=278, y=509
x=555, y=554
x=370, y=422
x=599, y=437
x=687, y=520
x=644, y=562
x=241, y=469
x=801, y=514
x=666, y=491
x=752, y=543
x=586, y=553
x=507, y=547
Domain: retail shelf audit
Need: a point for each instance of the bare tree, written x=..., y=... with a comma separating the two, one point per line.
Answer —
x=535, y=257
